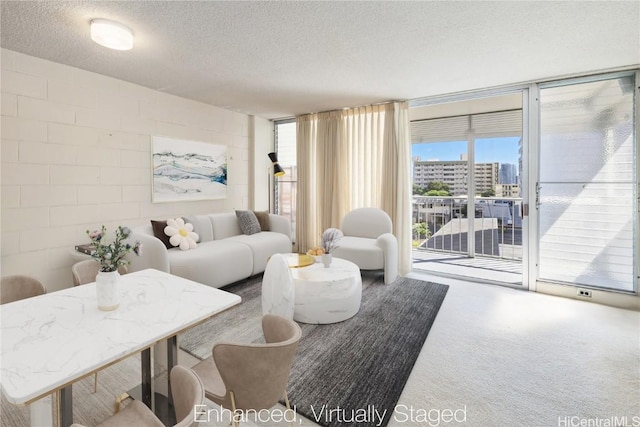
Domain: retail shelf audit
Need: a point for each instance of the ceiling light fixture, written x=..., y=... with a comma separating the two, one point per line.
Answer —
x=111, y=34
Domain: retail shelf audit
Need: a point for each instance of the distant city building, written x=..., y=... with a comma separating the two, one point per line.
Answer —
x=508, y=174
x=520, y=161
x=454, y=173
x=508, y=190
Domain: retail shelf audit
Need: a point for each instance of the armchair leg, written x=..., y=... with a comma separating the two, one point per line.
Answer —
x=286, y=401
x=95, y=383
x=236, y=423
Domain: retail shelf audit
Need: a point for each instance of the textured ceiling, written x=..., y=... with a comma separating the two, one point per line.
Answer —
x=279, y=59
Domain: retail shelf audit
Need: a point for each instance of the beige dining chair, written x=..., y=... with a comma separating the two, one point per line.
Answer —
x=17, y=287
x=86, y=271
x=188, y=394
x=252, y=376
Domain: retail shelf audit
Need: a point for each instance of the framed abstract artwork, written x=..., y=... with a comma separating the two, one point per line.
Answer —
x=187, y=170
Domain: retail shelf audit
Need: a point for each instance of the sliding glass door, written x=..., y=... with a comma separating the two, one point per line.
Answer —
x=469, y=186
x=568, y=157
x=587, y=186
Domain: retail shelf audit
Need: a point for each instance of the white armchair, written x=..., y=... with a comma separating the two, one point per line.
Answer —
x=369, y=242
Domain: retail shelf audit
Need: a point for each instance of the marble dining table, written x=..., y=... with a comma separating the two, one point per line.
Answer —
x=50, y=341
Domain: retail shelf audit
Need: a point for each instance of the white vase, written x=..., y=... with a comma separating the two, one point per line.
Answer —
x=107, y=290
x=326, y=260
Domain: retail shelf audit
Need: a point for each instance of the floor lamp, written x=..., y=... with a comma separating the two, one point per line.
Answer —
x=277, y=171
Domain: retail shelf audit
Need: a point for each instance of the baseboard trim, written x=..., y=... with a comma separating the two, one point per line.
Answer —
x=614, y=299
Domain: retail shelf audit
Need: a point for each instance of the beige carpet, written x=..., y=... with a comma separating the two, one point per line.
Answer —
x=516, y=358
x=498, y=356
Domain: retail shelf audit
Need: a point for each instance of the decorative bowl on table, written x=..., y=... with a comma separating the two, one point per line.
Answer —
x=315, y=255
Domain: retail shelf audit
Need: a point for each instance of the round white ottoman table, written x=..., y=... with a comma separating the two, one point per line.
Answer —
x=327, y=294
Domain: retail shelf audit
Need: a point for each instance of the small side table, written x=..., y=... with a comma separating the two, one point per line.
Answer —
x=78, y=256
x=327, y=294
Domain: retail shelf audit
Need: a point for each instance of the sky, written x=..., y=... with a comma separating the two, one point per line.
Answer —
x=501, y=150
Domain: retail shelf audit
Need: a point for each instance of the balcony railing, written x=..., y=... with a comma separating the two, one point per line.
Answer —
x=443, y=224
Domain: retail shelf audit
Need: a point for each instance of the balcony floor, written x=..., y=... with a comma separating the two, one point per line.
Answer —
x=480, y=268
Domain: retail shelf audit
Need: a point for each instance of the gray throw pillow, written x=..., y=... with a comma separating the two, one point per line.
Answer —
x=248, y=222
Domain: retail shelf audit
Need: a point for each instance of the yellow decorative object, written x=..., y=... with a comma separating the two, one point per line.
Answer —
x=299, y=260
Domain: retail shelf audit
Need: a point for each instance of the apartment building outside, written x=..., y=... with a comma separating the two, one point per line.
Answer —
x=508, y=190
x=454, y=173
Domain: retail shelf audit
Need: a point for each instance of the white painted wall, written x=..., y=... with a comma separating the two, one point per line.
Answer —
x=260, y=144
x=76, y=155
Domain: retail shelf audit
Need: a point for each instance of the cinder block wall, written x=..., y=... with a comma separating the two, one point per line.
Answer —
x=76, y=154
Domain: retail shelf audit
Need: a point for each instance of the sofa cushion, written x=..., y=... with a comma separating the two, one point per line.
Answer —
x=201, y=226
x=263, y=219
x=224, y=225
x=214, y=263
x=248, y=222
x=263, y=245
x=158, y=231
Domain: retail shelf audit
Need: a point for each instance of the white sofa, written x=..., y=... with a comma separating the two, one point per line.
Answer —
x=224, y=254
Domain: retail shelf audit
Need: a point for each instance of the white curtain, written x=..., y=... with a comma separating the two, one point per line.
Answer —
x=352, y=158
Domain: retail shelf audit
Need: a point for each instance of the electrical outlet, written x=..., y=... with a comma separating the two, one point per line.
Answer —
x=584, y=293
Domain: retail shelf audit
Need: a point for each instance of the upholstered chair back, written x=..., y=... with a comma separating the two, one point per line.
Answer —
x=366, y=222
x=257, y=374
x=188, y=393
x=17, y=287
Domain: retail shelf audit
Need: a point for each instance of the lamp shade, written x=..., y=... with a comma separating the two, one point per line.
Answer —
x=277, y=169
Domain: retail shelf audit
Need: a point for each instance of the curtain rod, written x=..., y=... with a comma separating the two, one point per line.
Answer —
x=284, y=119
x=349, y=108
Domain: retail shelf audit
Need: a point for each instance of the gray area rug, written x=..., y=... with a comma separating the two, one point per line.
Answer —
x=345, y=374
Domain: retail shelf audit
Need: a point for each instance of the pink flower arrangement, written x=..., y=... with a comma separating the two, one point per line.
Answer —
x=111, y=255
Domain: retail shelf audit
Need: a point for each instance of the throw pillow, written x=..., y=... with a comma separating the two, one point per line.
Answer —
x=158, y=231
x=181, y=234
x=248, y=222
x=263, y=219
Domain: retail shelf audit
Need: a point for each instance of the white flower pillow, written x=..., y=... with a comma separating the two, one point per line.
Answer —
x=181, y=234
